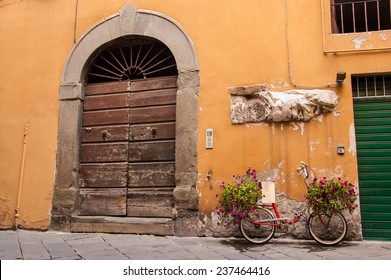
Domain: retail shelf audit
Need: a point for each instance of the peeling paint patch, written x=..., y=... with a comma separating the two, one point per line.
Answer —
x=358, y=41
x=279, y=174
x=330, y=142
x=331, y=173
x=383, y=37
x=319, y=118
x=266, y=164
x=251, y=125
x=298, y=126
x=281, y=84
x=338, y=171
x=313, y=144
x=273, y=128
x=271, y=174
x=352, y=140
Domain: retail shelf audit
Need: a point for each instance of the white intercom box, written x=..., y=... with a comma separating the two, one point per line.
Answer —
x=209, y=138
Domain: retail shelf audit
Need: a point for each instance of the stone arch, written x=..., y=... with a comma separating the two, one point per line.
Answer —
x=129, y=21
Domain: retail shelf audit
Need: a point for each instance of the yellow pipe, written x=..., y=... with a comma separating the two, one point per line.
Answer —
x=21, y=177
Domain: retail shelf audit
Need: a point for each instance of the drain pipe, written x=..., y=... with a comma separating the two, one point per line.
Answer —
x=21, y=176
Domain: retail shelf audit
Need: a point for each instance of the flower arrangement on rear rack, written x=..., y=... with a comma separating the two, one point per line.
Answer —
x=331, y=195
x=239, y=198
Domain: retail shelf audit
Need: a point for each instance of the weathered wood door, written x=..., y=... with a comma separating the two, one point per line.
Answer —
x=127, y=155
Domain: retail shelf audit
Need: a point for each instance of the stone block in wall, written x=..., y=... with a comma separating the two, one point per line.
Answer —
x=186, y=198
x=186, y=223
x=60, y=222
x=251, y=105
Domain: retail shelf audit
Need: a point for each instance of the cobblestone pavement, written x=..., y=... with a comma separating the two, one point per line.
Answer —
x=33, y=245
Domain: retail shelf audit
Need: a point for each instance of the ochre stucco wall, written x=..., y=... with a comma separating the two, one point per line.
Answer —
x=32, y=57
x=237, y=43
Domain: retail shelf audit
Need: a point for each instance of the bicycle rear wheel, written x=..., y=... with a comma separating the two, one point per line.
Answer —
x=255, y=231
x=327, y=229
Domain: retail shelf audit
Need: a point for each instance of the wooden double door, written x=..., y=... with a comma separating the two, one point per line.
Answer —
x=127, y=153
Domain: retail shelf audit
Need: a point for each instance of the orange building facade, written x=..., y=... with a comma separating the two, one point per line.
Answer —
x=107, y=105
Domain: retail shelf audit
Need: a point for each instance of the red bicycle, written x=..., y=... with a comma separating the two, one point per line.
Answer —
x=260, y=225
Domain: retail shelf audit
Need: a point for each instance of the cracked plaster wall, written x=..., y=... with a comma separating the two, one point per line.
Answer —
x=6, y=211
x=256, y=104
x=288, y=208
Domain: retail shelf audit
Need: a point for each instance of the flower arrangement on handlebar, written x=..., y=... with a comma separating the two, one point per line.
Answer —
x=331, y=195
x=239, y=198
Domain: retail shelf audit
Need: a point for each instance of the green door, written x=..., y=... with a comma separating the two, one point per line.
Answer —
x=373, y=138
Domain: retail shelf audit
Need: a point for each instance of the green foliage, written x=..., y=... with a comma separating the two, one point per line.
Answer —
x=239, y=198
x=330, y=195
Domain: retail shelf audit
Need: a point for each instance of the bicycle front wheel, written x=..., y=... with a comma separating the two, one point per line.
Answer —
x=254, y=230
x=327, y=229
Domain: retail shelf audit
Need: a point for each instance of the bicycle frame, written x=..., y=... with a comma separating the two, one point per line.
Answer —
x=259, y=227
x=272, y=207
x=278, y=220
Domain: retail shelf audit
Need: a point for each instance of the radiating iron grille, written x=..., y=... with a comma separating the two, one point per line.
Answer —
x=351, y=16
x=131, y=60
x=371, y=86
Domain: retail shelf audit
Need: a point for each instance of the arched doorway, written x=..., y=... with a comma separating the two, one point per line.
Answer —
x=84, y=73
x=127, y=152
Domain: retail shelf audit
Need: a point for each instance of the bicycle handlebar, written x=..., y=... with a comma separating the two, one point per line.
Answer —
x=304, y=169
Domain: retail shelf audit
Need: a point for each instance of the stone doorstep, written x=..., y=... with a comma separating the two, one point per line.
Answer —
x=154, y=226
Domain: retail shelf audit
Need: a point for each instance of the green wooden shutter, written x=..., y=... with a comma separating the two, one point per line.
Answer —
x=373, y=138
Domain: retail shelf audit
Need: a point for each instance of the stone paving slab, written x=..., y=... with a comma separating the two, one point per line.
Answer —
x=203, y=253
x=10, y=255
x=32, y=245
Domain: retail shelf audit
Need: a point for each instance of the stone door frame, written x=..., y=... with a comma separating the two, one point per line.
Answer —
x=129, y=21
